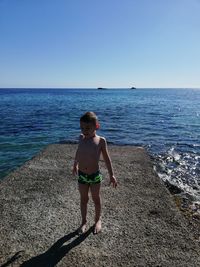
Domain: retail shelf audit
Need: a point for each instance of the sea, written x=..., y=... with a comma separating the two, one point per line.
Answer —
x=166, y=122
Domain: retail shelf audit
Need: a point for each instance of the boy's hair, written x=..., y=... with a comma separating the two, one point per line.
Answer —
x=89, y=117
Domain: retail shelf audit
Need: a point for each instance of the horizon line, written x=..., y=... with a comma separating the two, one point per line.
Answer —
x=63, y=88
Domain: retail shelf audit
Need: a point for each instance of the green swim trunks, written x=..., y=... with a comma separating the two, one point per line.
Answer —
x=94, y=178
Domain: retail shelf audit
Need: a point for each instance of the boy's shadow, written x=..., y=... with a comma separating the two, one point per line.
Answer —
x=55, y=253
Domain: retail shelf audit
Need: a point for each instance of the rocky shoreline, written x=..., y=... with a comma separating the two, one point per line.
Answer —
x=142, y=225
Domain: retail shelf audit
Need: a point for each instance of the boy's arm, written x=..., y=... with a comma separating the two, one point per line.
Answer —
x=75, y=166
x=108, y=162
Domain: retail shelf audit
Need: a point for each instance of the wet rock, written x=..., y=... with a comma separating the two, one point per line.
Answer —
x=174, y=189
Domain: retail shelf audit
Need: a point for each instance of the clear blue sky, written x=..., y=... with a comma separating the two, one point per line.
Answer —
x=93, y=43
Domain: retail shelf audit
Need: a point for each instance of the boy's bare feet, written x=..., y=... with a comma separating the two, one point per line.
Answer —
x=82, y=228
x=97, y=227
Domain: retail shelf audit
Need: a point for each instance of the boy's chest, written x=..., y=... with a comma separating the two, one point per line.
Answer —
x=91, y=147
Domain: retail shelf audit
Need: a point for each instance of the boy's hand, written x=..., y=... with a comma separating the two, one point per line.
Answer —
x=113, y=181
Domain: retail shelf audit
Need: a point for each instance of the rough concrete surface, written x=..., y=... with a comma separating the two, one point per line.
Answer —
x=39, y=207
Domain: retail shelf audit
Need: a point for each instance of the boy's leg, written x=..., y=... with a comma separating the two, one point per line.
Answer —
x=95, y=192
x=83, y=189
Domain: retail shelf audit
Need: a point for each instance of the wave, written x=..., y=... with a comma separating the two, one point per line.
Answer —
x=181, y=169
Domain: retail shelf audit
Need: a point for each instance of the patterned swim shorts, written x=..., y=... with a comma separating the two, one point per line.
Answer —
x=94, y=178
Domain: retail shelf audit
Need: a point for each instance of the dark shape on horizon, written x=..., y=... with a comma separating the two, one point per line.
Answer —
x=101, y=88
x=133, y=88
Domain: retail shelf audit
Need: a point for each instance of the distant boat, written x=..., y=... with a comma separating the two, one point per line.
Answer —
x=101, y=88
x=133, y=88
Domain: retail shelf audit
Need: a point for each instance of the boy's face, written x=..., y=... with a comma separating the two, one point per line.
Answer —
x=88, y=129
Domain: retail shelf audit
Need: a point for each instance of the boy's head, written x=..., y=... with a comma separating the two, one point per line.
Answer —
x=89, y=123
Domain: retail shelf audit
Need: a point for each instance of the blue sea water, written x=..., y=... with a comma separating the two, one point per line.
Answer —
x=165, y=121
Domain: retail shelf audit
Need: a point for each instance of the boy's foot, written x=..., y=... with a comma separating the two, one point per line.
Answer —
x=82, y=228
x=97, y=227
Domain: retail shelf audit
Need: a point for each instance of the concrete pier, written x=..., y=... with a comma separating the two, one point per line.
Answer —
x=39, y=207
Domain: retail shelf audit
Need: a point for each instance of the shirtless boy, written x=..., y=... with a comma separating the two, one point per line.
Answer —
x=86, y=166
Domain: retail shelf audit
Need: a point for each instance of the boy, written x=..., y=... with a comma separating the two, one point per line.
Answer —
x=86, y=166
